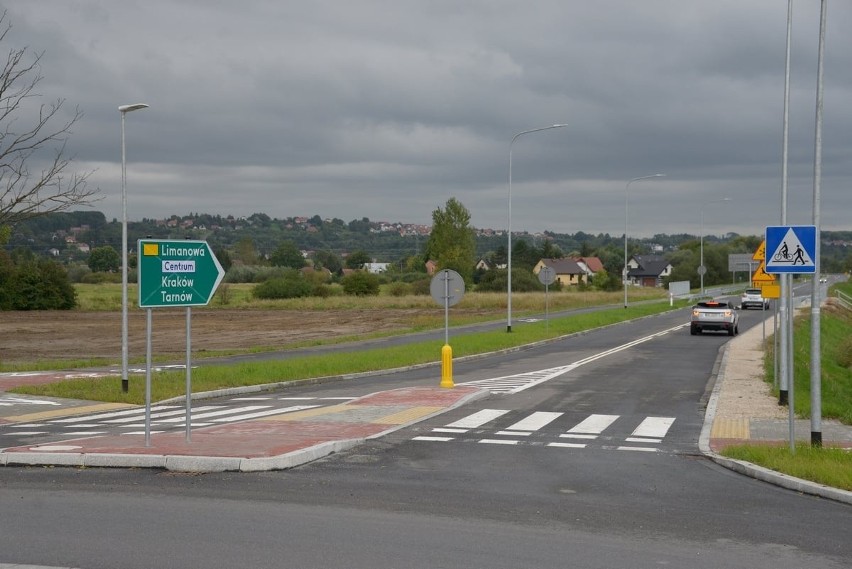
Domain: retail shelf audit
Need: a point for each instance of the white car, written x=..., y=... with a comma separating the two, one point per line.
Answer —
x=753, y=297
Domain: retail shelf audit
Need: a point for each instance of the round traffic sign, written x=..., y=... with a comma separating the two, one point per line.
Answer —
x=447, y=286
x=546, y=276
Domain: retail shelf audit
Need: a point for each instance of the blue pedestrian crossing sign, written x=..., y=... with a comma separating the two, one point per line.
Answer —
x=791, y=249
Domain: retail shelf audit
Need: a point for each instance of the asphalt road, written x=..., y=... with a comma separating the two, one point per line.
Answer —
x=456, y=491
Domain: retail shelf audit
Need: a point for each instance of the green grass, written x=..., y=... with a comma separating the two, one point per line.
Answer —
x=835, y=363
x=829, y=466
x=170, y=384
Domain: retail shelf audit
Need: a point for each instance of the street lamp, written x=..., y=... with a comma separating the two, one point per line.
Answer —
x=626, y=193
x=509, y=248
x=701, y=268
x=124, y=109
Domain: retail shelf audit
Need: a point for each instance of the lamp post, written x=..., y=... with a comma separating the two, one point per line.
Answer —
x=124, y=109
x=626, y=193
x=509, y=228
x=701, y=268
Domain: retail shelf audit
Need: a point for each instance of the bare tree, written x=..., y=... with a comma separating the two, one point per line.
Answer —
x=27, y=139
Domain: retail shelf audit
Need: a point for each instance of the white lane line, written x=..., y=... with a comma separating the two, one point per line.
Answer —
x=112, y=414
x=514, y=433
x=653, y=427
x=642, y=440
x=576, y=436
x=497, y=442
x=255, y=398
x=446, y=430
x=279, y=411
x=433, y=439
x=85, y=433
x=593, y=424
x=141, y=433
x=534, y=422
x=516, y=383
x=478, y=419
x=25, y=433
x=30, y=425
x=230, y=411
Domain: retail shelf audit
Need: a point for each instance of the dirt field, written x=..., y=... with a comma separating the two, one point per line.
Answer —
x=58, y=335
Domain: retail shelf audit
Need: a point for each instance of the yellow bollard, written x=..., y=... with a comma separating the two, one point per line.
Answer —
x=447, y=367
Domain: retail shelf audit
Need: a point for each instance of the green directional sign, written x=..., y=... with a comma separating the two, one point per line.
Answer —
x=176, y=273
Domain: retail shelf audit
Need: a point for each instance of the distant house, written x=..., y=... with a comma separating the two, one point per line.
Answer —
x=482, y=265
x=647, y=270
x=567, y=271
x=376, y=267
x=592, y=264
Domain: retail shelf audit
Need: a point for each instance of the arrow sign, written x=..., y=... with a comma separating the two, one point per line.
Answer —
x=177, y=273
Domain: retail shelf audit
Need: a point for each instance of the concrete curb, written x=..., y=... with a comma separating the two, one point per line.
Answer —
x=748, y=468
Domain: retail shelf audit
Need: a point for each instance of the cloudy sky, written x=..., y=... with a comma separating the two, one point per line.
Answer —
x=387, y=109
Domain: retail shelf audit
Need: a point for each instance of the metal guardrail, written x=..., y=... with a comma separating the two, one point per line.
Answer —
x=843, y=299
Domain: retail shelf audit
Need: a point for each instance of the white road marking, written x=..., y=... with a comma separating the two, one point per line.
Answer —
x=433, y=439
x=478, y=419
x=26, y=433
x=446, y=430
x=497, y=442
x=593, y=425
x=566, y=445
x=535, y=421
x=514, y=433
x=181, y=412
x=111, y=414
x=218, y=413
x=515, y=383
x=653, y=427
x=279, y=411
x=640, y=449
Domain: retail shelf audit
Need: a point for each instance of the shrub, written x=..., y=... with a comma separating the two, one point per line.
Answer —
x=283, y=288
x=361, y=283
x=399, y=289
x=421, y=287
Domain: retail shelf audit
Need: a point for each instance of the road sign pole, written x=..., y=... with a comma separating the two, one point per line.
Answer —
x=148, y=382
x=188, y=374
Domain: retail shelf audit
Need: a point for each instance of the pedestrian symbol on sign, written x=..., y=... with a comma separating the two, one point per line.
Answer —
x=782, y=254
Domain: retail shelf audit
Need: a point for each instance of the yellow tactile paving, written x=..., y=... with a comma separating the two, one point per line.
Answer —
x=299, y=415
x=731, y=429
x=67, y=412
x=405, y=416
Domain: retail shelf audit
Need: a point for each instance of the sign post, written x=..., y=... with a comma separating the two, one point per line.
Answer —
x=791, y=249
x=447, y=288
x=173, y=274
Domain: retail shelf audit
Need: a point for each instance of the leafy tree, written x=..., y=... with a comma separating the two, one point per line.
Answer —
x=224, y=258
x=104, y=260
x=523, y=280
x=287, y=255
x=452, y=243
x=246, y=251
x=325, y=259
x=361, y=283
x=358, y=259
x=40, y=136
x=38, y=284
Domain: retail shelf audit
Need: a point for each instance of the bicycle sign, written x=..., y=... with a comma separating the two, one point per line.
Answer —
x=791, y=249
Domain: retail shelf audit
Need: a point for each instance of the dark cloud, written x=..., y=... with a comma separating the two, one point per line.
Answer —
x=388, y=109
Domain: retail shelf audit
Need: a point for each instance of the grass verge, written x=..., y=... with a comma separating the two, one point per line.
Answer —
x=171, y=384
x=828, y=466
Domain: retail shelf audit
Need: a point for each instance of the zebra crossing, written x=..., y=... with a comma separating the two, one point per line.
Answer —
x=167, y=417
x=611, y=432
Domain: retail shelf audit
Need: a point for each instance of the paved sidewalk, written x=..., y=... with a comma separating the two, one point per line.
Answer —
x=742, y=409
x=269, y=443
